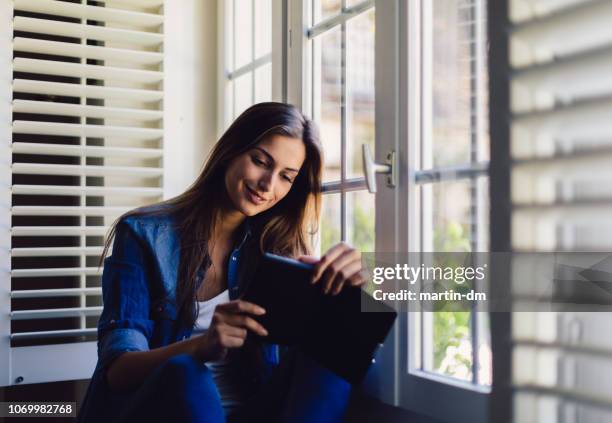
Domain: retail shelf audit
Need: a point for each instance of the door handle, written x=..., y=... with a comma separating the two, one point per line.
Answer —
x=371, y=168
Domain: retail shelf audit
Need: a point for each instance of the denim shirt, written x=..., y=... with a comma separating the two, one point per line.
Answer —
x=139, y=284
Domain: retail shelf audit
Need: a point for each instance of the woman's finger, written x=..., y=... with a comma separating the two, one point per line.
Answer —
x=359, y=278
x=228, y=341
x=337, y=269
x=344, y=276
x=240, y=306
x=308, y=259
x=246, y=322
x=327, y=259
x=230, y=330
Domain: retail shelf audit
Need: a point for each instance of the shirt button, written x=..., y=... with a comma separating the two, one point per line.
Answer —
x=234, y=258
x=112, y=322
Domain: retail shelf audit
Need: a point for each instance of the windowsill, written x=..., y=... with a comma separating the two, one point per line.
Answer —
x=450, y=381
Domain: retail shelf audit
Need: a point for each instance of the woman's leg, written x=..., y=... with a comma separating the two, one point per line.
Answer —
x=316, y=394
x=299, y=391
x=181, y=389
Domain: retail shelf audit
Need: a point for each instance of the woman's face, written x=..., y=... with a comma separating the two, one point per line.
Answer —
x=259, y=178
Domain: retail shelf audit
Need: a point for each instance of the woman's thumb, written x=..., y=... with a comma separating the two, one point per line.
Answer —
x=308, y=259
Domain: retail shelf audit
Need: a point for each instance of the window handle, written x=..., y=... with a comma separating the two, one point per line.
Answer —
x=371, y=168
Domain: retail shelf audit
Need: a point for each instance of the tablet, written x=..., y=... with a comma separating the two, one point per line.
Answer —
x=330, y=329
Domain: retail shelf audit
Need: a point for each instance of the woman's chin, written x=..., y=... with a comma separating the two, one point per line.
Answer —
x=249, y=209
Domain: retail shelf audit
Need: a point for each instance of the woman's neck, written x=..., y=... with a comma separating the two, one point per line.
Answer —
x=226, y=224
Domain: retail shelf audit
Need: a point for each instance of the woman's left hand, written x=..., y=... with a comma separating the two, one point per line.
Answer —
x=339, y=266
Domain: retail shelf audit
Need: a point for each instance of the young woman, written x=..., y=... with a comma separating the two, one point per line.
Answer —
x=173, y=338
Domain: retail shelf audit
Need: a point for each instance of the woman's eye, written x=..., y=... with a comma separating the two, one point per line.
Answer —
x=288, y=179
x=257, y=161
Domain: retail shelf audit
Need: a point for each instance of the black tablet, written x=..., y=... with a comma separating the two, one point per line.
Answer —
x=331, y=329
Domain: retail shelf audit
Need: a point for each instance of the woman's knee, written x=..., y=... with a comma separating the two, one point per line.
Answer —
x=190, y=387
x=181, y=389
x=316, y=394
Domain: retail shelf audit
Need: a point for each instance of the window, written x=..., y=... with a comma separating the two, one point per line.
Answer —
x=337, y=90
x=449, y=353
x=405, y=78
x=453, y=194
x=246, y=55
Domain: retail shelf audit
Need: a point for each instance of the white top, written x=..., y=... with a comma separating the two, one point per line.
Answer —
x=207, y=308
x=222, y=370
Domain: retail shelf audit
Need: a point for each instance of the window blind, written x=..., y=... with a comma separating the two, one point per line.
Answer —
x=560, y=52
x=87, y=145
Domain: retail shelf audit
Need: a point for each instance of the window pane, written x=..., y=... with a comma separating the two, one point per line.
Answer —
x=263, y=28
x=455, y=131
x=322, y=9
x=263, y=83
x=452, y=344
x=360, y=89
x=330, y=221
x=455, y=85
x=446, y=216
x=327, y=93
x=361, y=220
x=447, y=227
x=455, y=219
x=243, y=32
x=481, y=243
x=485, y=358
x=243, y=93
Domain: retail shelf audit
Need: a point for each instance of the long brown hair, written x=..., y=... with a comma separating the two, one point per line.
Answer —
x=283, y=229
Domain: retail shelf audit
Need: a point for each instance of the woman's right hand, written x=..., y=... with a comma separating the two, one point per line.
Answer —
x=228, y=329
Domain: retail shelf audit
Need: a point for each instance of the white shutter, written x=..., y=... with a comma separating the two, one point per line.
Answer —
x=560, y=52
x=86, y=145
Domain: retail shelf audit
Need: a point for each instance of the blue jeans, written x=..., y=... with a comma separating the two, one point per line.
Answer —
x=182, y=389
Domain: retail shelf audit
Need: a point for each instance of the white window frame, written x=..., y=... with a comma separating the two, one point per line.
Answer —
x=420, y=390
x=226, y=55
x=299, y=82
x=299, y=73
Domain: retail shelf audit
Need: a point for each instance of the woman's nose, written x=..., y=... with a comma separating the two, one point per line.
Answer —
x=266, y=182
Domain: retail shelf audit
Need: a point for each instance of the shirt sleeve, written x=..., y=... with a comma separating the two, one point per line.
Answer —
x=124, y=324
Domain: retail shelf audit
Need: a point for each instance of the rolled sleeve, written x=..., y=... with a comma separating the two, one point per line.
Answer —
x=124, y=324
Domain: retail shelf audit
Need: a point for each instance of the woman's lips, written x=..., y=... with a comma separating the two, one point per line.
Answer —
x=253, y=197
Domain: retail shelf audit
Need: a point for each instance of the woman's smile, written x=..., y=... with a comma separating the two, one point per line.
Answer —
x=253, y=197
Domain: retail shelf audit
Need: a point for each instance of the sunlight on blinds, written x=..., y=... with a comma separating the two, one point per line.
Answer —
x=561, y=102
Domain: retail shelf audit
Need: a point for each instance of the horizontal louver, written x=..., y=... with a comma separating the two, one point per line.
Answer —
x=86, y=146
x=561, y=145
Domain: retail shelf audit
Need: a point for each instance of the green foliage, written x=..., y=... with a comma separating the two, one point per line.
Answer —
x=329, y=236
x=454, y=239
x=450, y=327
x=363, y=229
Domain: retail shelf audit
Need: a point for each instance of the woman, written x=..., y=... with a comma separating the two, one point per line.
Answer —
x=173, y=340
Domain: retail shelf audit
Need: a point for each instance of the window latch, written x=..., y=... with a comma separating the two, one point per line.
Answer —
x=371, y=168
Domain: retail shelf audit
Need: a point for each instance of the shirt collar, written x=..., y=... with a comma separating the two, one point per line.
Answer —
x=245, y=231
